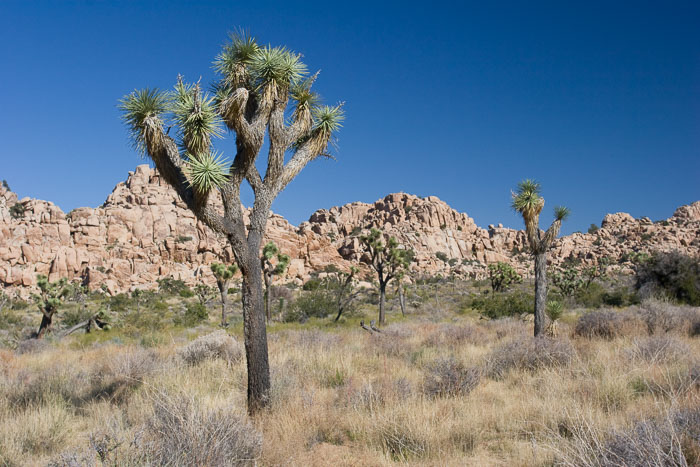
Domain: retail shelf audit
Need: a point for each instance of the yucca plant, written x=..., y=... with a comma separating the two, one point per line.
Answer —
x=263, y=92
x=529, y=203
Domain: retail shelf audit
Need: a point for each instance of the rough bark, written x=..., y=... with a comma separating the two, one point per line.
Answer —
x=268, y=297
x=45, y=326
x=382, y=300
x=540, y=293
x=255, y=338
x=223, y=290
x=402, y=300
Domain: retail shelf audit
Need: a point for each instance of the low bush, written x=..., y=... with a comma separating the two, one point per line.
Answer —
x=498, y=305
x=218, y=344
x=663, y=317
x=171, y=286
x=673, y=440
x=454, y=336
x=182, y=432
x=528, y=353
x=608, y=324
x=672, y=274
x=448, y=377
x=655, y=349
x=195, y=313
x=317, y=303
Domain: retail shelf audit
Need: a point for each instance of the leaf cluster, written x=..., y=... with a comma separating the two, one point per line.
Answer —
x=387, y=258
x=270, y=252
x=502, y=276
x=52, y=294
x=223, y=272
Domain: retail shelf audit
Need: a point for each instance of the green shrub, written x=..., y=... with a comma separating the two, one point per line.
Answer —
x=195, y=313
x=186, y=293
x=619, y=297
x=672, y=274
x=312, y=284
x=317, y=303
x=508, y=304
x=17, y=211
x=170, y=286
x=502, y=276
x=119, y=302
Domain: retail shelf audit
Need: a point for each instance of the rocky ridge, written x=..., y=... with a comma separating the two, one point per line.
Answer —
x=143, y=232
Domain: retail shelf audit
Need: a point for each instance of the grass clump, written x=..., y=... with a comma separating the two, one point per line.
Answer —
x=183, y=432
x=217, y=344
x=528, y=353
x=448, y=377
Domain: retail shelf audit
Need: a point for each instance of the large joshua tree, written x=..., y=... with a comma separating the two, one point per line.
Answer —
x=387, y=259
x=261, y=90
x=528, y=202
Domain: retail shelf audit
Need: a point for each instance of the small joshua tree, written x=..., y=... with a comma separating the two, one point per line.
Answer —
x=270, y=269
x=343, y=283
x=223, y=275
x=528, y=202
x=50, y=298
x=502, y=276
x=263, y=96
x=388, y=260
x=204, y=293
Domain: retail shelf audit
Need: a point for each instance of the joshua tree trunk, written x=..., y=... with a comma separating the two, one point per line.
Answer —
x=223, y=290
x=540, y=293
x=402, y=300
x=268, y=297
x=45, y=325
x=382, y=300
x=254, y=328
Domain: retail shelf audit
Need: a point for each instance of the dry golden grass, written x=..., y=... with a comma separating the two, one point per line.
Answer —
x=343, y=397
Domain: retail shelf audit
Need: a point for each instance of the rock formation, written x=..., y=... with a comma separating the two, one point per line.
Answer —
x=143, y=232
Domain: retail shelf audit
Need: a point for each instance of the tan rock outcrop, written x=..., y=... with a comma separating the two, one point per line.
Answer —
x=143, y=232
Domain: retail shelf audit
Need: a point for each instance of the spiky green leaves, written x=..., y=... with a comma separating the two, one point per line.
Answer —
x=196, y=117
x=305, y=98
x=142, y=109
x=328, y=119
x=270, y=251
x=527, y=197
x=234, y=59
x=223, y=272
x=561, y=213
x=276, y=65
x=373, y=240
x=206, y=171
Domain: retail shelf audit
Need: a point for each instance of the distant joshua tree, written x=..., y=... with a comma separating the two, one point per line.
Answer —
x=51, y=296
x=528, y=202
x=264, y=96
x=388, y=260
x=223, y=275
x=270, y=269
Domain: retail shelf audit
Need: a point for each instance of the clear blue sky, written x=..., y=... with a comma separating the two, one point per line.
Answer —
x=599, y=101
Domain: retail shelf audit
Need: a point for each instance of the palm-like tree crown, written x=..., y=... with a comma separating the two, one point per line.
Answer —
x=256, y=84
